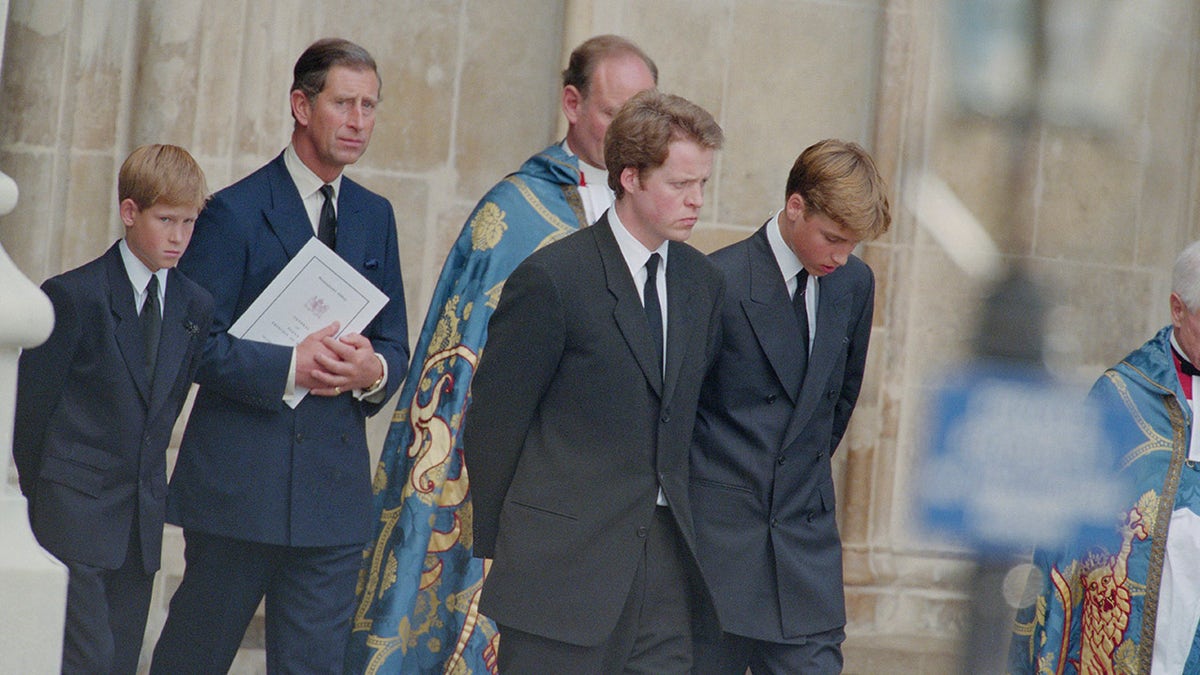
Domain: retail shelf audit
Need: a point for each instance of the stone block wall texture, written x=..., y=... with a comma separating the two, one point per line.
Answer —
x=470, y=89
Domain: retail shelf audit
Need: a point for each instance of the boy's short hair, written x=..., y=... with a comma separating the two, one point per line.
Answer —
x=838, y=179
x=165, y=174
x=641, y=133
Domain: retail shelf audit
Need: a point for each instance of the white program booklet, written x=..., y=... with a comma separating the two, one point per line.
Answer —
x=316, y=288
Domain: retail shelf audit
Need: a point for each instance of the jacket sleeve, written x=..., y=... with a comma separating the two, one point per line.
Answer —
x=218, y=258
x=859, y=337
x=41, y=375
x=388, y=333
x=526, y=338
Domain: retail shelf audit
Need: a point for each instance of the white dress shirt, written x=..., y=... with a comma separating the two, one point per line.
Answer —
x=309, y=185
x=139, y=277
x=790, y=266
x=594, y=192
x=636, y=255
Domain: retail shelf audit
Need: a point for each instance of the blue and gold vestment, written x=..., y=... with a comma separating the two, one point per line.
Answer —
x=1097, y=604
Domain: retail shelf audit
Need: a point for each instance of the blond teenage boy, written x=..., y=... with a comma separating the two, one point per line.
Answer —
x=96, y=403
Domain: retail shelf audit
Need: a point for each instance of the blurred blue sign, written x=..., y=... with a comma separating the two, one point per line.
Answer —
x=1015, y=459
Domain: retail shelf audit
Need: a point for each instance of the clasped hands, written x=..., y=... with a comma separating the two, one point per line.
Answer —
x=329, y=366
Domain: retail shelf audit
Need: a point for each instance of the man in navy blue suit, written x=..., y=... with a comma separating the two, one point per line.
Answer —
x=275, y=501
x=96, y=403
x=795, y=325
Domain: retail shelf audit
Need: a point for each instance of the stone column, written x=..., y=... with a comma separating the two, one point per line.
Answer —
x=33, y=585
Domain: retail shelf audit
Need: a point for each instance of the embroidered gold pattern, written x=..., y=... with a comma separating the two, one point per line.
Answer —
x=431, y=436
x=493, y=295
x=561, y=229
x=487, y=227
x=446, y=333
x=1106, y=596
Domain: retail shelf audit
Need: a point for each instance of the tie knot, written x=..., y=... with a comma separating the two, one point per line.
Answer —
x=652, y=265
x=801, y=281
x=327, y=191
x=152, y=286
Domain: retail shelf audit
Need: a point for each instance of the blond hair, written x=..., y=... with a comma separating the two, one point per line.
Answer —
x=838, y=179
x=166, y=174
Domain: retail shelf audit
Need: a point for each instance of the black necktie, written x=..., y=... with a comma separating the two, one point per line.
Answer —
x=653, y=308
x=327, y=224
x=1185, y=365
x=151, y=322
x=798, y=304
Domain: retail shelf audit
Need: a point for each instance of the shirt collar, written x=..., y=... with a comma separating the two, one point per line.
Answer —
x=788, y=263
x=632, y=250
x=307, y=182
x=1182, y=360
x=592, y=176
x=138, y=273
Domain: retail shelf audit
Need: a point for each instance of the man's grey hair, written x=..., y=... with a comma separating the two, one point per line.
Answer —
x=1185, y=279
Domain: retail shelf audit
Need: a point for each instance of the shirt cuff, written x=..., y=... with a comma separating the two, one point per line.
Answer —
x=289, y=389
x=375, y=394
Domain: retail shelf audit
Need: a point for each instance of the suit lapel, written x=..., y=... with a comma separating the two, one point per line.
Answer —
x=286, y=215
x=351, y=246
x=176, y=337
x=627, y=310
x=768, y=309
x=682, y=312
x=833, y=312
x=127, y=330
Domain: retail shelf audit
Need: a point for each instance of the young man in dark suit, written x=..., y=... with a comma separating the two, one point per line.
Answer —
x=795, y=325
x=275, y=501
x=577, y=435
x=96, y=403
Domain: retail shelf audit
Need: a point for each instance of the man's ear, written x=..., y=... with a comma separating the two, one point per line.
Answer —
x=572, y=101
x=301, y=107
x=129, y=210
x=630, y=178
x=795, y=206
x=1179, y=309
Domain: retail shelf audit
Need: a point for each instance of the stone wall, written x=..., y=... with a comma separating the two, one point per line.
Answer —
x=470, y=89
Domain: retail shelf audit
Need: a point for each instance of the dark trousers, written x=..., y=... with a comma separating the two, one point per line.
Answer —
x=819, y=654
x=106, y=614
x=309, y=595
x=653, y=633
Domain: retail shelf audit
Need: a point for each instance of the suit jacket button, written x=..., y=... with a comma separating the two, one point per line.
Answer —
x=299, y=438
x=666, y=417
x=642, y=532
x=774, y=522
x=781, y=459
x=811, y=517
x=831, y=394
x=771, y=398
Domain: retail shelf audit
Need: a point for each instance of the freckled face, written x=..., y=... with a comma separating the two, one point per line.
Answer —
x=158, y=235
